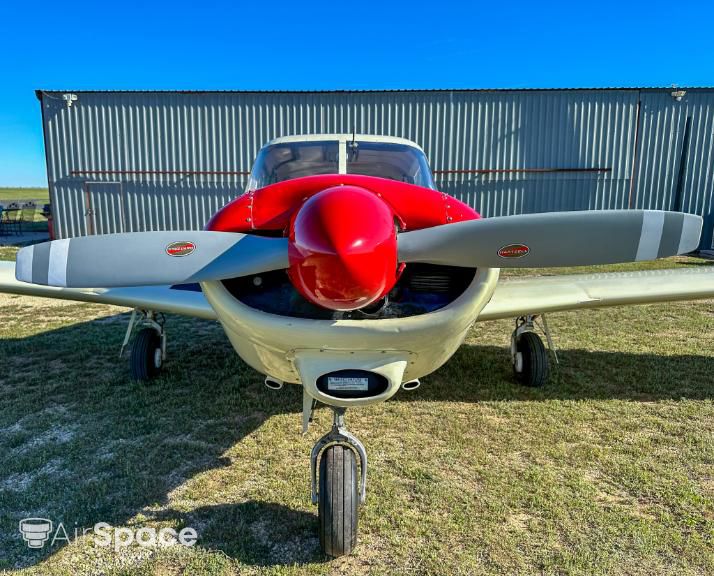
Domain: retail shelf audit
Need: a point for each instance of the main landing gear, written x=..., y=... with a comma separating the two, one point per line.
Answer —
x=148, y=351
x=338, y=493
x=531, y=365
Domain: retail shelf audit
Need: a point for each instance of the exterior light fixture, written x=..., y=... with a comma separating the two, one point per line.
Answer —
x=678, y=94
x=69, y=98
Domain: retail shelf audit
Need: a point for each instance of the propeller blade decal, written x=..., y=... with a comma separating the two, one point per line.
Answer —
x=149, y=258
x=554, y=239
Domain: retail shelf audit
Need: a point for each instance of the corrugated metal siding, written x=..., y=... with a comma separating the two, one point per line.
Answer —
x=459, y=130
x=661, y=139
x=519, y=130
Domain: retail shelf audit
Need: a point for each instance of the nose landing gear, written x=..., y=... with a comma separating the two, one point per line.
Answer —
x=337, y=493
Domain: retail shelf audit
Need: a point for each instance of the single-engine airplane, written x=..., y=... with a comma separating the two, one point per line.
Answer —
x=343, y=269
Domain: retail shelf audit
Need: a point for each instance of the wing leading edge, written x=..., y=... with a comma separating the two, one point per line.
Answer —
x=157, y=298
x=512, y=298
x=541, y=294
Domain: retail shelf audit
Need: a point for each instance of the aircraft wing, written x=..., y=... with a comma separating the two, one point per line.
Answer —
x=184, y=300
x=513, y=297
x=540, y=294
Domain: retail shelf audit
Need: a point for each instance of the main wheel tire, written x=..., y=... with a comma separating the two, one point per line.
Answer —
x=145, y=360
x=338, y=500
x=534, y=361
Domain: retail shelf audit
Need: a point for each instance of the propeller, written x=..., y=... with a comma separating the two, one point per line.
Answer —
x=148, y=258
x=554, y=239
x=532, y=240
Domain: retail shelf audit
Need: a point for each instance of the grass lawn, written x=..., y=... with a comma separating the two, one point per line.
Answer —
x=607, y=470
x=37, y=194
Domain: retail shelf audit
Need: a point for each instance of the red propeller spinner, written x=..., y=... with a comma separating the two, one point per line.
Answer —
x=343, y=248
x=342, y=231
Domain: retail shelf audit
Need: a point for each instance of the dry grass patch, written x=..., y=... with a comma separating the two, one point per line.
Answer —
x=608, y=470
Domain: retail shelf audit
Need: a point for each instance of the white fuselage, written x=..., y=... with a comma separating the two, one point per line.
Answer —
x=299, y=350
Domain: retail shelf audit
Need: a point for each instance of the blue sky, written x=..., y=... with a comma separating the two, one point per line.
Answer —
x=333, y=45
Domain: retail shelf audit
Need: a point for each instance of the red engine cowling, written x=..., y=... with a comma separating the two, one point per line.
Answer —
x=342, y=231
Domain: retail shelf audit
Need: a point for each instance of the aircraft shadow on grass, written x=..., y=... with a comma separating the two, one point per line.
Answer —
x=84, y=444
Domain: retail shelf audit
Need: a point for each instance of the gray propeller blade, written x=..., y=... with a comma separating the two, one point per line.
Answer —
x=148, y=258
x=554, y=239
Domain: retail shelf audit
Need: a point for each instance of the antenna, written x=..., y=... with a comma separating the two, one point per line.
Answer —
x=353, y=145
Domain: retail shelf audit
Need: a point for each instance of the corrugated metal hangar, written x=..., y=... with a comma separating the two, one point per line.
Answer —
x=130, y=161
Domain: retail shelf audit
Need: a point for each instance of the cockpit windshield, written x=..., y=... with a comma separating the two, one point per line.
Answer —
x=389, y=160
x=289, y=160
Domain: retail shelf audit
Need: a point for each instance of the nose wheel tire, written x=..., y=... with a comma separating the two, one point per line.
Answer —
x=531, y=362
x=146, y=355
x=338, y=500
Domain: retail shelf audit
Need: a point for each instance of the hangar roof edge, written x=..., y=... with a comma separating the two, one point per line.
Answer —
x=40, y=92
